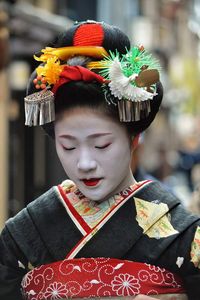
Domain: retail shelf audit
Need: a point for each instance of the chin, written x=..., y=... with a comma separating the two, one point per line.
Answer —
x=95, y=196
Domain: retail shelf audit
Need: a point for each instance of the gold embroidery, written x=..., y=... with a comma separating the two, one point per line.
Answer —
x=91, y=211
x=30, y=266
x=153, y=219
x=195, y=249
x=68, y=185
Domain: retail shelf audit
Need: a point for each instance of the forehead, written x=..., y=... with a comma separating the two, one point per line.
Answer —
x=88, y=121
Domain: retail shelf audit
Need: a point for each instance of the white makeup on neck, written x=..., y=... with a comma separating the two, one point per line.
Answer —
x=95, y=152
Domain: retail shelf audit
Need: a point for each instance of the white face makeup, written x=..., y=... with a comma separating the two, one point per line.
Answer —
x=95, y=153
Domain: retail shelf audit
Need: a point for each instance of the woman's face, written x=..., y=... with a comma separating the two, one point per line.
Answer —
x=94, y=151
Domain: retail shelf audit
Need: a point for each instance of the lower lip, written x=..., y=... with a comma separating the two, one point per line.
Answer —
x=91, y=182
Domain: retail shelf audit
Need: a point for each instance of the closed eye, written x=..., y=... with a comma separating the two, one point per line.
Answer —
x=69, y=149
x=102, y=147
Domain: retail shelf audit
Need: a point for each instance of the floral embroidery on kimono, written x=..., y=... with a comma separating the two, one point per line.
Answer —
x=68, y=185
x=195, y=249
x=92, y=212
x=153, y=219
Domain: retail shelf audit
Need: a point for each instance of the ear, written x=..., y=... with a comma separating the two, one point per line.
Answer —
x=135, y=142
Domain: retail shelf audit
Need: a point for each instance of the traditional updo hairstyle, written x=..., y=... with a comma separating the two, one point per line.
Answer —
x=90, y=94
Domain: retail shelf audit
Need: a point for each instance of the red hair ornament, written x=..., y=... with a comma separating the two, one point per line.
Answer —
x=77, y=73
x=39, y=106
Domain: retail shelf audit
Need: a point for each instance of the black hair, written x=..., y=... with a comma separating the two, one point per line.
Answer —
x=91, y=94
x=81, y=94
x=84, y=94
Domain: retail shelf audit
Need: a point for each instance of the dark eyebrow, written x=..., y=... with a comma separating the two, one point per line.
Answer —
x=94, y=135
x=67, y=136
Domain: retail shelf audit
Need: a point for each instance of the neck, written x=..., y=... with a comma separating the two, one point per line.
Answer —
x=129, y=180
x=126, y=182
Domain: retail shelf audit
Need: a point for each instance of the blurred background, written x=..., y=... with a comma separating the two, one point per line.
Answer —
x=168, y=151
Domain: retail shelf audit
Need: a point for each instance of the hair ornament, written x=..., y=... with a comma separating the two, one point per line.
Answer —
x=64, y=53
x=128, y=80
x=50, y=71
x=40, y=82
x=132, y=78
x=39, y=106
x=122, y=86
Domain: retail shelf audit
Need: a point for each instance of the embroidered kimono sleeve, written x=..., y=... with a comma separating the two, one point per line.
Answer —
x=12, y=267
x=183, y=256
x=192, y=269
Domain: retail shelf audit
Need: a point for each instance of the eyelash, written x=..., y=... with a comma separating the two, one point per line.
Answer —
x=102, y=147
x=69, y=149
x=97, y=147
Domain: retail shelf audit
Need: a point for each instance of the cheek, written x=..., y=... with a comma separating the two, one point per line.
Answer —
x=67, y=161
x=68, y=166
x=119, y=158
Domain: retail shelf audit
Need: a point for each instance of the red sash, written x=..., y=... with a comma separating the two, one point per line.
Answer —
x=98, y=277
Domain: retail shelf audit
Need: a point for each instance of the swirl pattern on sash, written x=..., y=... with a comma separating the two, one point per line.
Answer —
x=98, y=277
x=157, y=275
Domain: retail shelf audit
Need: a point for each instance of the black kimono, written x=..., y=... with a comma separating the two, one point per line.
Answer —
x=151, y=227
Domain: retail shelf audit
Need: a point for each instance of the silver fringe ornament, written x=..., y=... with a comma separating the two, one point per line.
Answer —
x=130, y=111
x=39, y=108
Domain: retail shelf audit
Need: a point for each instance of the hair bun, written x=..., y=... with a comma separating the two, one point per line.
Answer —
x=91, y=33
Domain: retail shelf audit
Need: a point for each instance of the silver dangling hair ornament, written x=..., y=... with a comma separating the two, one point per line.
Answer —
x=39, y=108
x=133, y=111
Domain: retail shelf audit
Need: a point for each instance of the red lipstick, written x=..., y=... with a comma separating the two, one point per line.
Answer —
x=91, y=181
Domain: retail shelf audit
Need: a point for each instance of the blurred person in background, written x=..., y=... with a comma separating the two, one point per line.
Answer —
x=188, y=156
x=173, y=157
x=100, y=233
x=194, y=205
x=138, y=169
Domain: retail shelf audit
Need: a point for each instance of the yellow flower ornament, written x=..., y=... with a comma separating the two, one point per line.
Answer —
x=51, y=70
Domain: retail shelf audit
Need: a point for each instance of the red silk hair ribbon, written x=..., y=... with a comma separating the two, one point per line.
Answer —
x=76, y=73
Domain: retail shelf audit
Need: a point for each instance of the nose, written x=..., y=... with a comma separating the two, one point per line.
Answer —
x=86, y=162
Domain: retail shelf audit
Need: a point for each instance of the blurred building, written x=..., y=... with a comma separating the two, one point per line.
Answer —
x=29, y=165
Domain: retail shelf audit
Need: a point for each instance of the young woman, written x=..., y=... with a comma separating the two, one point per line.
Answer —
x=100, y=233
